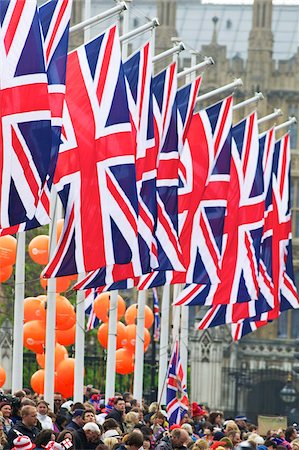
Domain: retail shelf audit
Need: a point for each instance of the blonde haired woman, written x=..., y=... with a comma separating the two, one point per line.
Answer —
x=131, y=419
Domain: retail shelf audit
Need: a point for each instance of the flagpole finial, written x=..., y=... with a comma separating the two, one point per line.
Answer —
x=214, y=36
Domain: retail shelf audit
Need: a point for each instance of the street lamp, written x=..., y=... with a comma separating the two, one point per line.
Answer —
x=288, y=393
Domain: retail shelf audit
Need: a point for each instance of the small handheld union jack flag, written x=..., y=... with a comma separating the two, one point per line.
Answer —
x=176, y=394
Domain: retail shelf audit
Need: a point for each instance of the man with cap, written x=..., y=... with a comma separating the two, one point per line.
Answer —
x=77, y=421
x=26, y=426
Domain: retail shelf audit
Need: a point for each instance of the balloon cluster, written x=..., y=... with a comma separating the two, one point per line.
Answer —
x=8, y=250
x=125, y=334
x=34, y=340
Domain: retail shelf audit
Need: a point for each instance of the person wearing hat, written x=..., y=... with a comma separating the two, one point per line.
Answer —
x=27, y=426
x=77, y=421
x=23, y=443
x=88, y=437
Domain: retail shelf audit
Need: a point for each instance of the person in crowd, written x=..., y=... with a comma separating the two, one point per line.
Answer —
x=110, y=424
x=69, y=435
x=53, y=417
x=208, y=432
x=88, y=437
x=77, y=420
x=198, y=417
x=227, y=443
x=58, y=401
x=189, y=429
x=235, y=437
x=111, y=442
x=230, y=425
x=290, y=434
x=61, y=422
x=131, y=419
x=43, y=438
x=216, y=419
x=3, y=437
x=42, y=408
x=134, y=441
x=177, y=440
x=88, y=416
x=5, y=409
x=200, y=444
x=118, y=412
x=241, y=422
x=147, y=443
x=158, y=424
x=27, y=425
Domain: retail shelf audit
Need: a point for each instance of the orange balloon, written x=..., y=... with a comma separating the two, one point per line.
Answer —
x=66, y=390
x=101, y=306
x=8, y=249
x=35, y=335
x=66, y=337
x=5, y=273
x=38, y=249
x=131, y=315
x=34, y=309
x=65, y=313
x=121, y=335
x=65, y=376
x=124, y=361
x=37, y=381
x=2, y=376
x=62, y=283
x=60, y=354
x=131, y=337
x=59, y=228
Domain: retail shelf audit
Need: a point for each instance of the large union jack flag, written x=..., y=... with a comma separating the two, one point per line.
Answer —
x=204, y=172
x=95, y=171
x=25, y=126
x=176, y=391
x=55, y=19
x=282, y=292
x=243, y=231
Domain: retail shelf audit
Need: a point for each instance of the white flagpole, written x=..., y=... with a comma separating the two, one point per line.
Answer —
x=228, y=87
x=79, y=346
x=111, y=349
x=176, y=315
x=17, y=357
x=51, y=309
x=176, y=49
x=208, y=61
x=288, y=123
x=274, y=115
x=164, y=337
x=87, y=14
x=258, y=96
x=140, y=30
x=139, y=348
x=99, y=17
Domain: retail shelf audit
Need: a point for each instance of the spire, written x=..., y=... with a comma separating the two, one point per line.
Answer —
x=166, y=11
x=214, y=36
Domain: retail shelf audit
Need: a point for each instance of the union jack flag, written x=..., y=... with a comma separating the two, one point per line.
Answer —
x=92, y=320
x=95, y=171
x=157, y=324
x=243, y=230
x=25, y=118
x=278, y=231
x=55, y=19
x=176, y=393
x=204, y=181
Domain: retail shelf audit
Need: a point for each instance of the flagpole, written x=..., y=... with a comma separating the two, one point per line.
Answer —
x=208, y=61
x=51, y=309
x=176, y=49
x=258, y=96
x=17, y=357
x=228, y=87
x=111, y=348
x=164, y=337
x=79, y=345
x=99, y=17
x=277, y=113
x=87, y=14
x=140, y=30
x=288, y=123
x=139, y=348
x=176, y=316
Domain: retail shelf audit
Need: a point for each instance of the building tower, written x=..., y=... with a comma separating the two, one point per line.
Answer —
x=166, y=13
x=260, y=49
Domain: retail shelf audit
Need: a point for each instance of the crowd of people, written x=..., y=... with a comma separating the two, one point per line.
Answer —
x=27, y=422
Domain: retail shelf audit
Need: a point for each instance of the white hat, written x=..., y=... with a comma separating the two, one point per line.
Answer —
x=67, y=405
x=111, y=433
x=23, y=443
